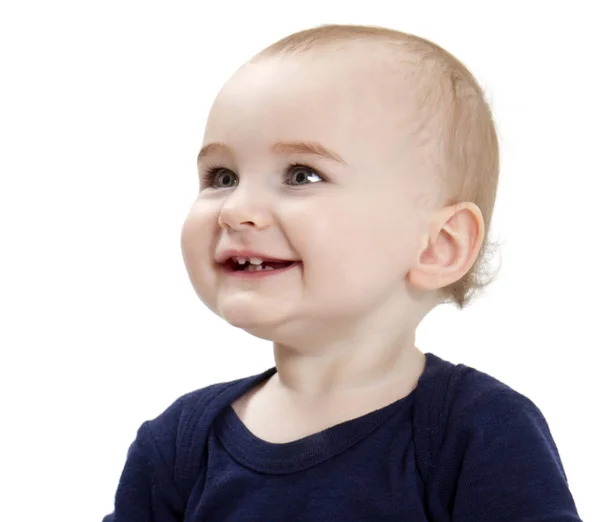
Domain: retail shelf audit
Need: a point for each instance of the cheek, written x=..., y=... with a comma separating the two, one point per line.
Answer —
x=198, y=245
x=377, y=240
x=194, y=236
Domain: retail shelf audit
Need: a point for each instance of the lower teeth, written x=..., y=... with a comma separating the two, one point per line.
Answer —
x=258, y=268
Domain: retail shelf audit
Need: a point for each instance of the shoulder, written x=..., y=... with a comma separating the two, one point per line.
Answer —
x=481, y=399
x=166, y=456
x=171, y=440
x=491, y=422
x=190, y=408
x=498, y=459
x=457, y=394
x=461, y=406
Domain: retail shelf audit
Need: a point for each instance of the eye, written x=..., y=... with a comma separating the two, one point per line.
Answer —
x=221, y=177
x=212, y=175
x=301, y=173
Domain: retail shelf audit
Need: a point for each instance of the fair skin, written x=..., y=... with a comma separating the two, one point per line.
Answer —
x=370, y=229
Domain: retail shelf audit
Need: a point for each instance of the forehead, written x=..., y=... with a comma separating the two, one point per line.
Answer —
x=349, y=100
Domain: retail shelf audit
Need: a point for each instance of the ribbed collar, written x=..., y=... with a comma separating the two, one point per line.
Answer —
x=290, y=457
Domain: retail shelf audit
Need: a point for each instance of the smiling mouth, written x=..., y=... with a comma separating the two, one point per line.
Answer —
x=232, y=265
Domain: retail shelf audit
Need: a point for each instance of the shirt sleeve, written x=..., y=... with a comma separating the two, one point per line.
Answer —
x=510, y=468
x=146, y=492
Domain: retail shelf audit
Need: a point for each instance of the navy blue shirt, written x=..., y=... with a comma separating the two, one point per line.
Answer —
x=198, y=462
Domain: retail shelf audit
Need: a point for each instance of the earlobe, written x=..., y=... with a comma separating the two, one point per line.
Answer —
x=450, y=248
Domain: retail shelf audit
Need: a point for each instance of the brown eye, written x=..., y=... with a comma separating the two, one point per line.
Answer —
x=225, y=175
x=213, y=177
x=302, y=173
x=220, y=177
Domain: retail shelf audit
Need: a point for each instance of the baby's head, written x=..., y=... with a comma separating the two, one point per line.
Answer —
x=368, y=156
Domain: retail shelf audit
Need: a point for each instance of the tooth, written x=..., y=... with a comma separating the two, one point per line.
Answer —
x=240, y=260
x=255, y=261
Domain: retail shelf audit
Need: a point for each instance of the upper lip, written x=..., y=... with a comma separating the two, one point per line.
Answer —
x=227, y=254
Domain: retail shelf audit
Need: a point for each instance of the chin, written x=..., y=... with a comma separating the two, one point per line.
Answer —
x=260, y=331
x=259, y=323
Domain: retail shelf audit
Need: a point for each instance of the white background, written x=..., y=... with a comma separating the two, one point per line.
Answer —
x=102, y=110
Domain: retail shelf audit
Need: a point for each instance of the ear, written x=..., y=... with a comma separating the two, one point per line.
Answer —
x=450, y=248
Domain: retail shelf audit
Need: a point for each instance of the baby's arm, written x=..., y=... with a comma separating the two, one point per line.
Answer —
x=146, y=490
x=510, y=468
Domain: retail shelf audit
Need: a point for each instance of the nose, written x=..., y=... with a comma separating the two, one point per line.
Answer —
x=242, y=209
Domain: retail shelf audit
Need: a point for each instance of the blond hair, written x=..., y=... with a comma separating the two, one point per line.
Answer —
x=453, y=106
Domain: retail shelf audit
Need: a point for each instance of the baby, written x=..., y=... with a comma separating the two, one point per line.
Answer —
x=347, y=182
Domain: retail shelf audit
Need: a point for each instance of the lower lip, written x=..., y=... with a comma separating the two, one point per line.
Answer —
x=245, y=274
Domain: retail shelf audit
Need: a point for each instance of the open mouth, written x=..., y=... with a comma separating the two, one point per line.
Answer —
x=254, y=265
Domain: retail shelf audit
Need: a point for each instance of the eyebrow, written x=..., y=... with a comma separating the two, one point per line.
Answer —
x=312, y=148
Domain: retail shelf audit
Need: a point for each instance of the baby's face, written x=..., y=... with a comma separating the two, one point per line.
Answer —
x=354, y=220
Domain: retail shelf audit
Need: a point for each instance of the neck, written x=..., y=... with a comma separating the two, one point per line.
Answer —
x=345, y=369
